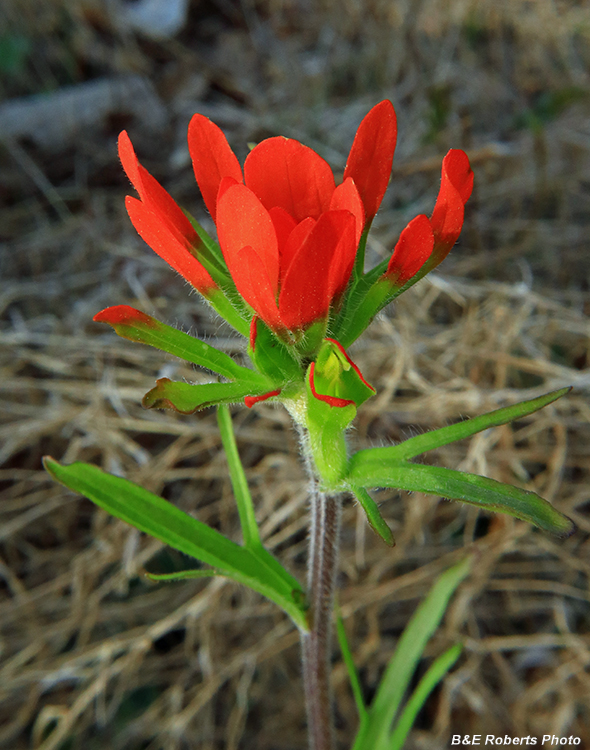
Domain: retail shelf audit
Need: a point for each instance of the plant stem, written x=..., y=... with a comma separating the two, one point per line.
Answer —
x=324, y=541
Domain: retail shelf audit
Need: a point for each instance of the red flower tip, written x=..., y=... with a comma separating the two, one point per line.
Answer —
x=412, y=250
x=121, y=315
x=251, y=400
x=371, y=156
x=212, y=158
x=455, y=189
x=160, y=222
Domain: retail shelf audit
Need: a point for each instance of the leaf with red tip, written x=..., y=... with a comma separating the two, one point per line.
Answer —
x=306, y=292
x=283, y=172
x=134, y=325
x=335, y=379
x=411, y=252
x=455, y=189
x=251, y=400
x=164, y=243
x=371, y=156
x=213, y=159
x=243, y=221
x=187, y=399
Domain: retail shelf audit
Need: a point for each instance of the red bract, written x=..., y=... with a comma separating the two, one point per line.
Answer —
x=288, y=234
x=161, y=223
x=431, y=239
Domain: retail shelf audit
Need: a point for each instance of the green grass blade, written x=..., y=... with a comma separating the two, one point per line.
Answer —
x=351, y=669
x=238, y=480
x=164, y=521
x=374, y=732
x=372, y=471
x=182, y=575
x=433, y=676
x=445, y=435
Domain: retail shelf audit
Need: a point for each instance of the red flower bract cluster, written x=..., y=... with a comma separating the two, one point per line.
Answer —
x=288, y=234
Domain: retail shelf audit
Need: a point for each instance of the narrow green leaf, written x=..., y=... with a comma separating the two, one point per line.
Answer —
x=436, y=438
x=238, y=480
x=164, y=521
x=433, y=676
x=134, y=325
x=374, y=731
x=374, y=517
x=182, y=575
x=368, y=470
x=187, y=398
x=350, y=668
x=244, y=498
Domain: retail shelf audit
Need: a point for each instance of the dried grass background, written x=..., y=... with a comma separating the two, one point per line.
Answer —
x=96, y=656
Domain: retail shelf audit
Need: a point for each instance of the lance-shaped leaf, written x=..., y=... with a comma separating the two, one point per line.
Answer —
x=367, y=470
x=134, y=325
x=164, y=521
x=187, y=399
x=433, y=676
x=437, y=438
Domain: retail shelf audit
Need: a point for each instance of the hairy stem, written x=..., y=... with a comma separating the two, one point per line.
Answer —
x=324, y=540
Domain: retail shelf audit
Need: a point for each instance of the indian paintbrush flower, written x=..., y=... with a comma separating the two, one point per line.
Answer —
x=289, y=263
x=288, y=274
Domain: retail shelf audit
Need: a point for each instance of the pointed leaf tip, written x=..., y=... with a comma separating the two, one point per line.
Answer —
x=124, y=315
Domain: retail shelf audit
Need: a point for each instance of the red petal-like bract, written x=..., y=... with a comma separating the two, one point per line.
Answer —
x=212, y=159
x=371, y=156
x=346, y=197
x=283, y=172
x=455, y=189
x=160, y=221
x=413, y=249
x=243, y=221
x=293, y=244
x=306, y=294
x=154, y=231
x=153, y=195
x=251, y=279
